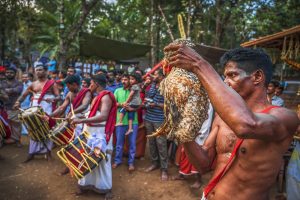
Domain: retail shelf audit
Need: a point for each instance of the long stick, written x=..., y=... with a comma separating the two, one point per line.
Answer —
x=165, y=20
x=72, y=110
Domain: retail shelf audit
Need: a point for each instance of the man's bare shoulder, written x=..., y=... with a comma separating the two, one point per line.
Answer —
x=286, y=117
x=106, y=98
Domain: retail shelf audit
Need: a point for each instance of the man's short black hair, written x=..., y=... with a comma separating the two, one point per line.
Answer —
x=14, y=69
x=71, y=67
x=119, y=72
x=30, y=75
x=275, y=83
x=72, y=79
x=88, y=81
x=250, y=60
x=101, y=70
x=64, y=73
x=100, y=79
x=112, y=71
x=125, y=75
x=136, y=76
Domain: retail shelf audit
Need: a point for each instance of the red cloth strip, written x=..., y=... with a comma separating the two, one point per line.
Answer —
x=212, y=184
x=77, y=101
x=46, y=87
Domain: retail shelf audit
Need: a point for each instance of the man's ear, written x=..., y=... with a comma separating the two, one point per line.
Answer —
x=258, y=77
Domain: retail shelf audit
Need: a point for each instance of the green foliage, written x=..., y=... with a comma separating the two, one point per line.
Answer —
x=34, y=24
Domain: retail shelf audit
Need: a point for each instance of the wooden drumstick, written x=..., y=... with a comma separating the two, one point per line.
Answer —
x=21, y=109
x=72, y=110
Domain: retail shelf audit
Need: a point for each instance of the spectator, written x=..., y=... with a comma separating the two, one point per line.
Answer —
x=111, y=65
x=87, y=67
x=30, y=77
x=279, y=90
x=2, y=73
x=121, y=95
x=130, y=69
x=54, y=75
x=118, y=76
x=133, y=101
x=103, y=65
x=51, y=64
x=154, y=117
x=78, y=65
x=10, y=90
x=37, y=62
x=85, y=83
x=26, y=83
x=101, y=71
x=95, y=67
x=272, y=97
x=71, y=71
x=26, y=103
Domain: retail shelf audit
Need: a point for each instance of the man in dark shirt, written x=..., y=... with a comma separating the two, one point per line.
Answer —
x=10, y=91
x=153, y=119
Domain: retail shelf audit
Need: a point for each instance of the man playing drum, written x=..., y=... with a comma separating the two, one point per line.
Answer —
x=100, y=125
x=80, y=100
x=259, y=133
x=45, y=94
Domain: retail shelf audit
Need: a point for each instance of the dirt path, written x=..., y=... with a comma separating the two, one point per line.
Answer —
x=39, y=179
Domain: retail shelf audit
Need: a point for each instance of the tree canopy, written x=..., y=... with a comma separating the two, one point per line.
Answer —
x=54, y=25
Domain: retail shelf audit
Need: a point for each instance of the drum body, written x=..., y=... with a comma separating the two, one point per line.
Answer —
x=79, y=157
x=3, y=129
x=38, y=128
x=62, y=134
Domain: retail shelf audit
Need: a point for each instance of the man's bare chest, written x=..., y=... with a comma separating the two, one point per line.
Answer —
x=226, y=140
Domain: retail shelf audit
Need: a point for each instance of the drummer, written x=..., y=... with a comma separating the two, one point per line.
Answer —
x=100, y=125
x=80, y=100
x=45, y=94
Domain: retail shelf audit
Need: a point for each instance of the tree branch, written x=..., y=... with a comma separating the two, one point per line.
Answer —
x=75, y=28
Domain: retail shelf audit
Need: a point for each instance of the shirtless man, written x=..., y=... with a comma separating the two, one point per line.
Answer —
x=82, y=102
x=244, y=113
x=45, y=93
x=100, y=124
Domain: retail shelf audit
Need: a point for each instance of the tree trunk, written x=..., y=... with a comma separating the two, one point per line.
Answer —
x=188, y=28
x=67, y=37
x=158, y=21
x=218, y=24
x=2, y=49
x=151, y=31
x=62, y=46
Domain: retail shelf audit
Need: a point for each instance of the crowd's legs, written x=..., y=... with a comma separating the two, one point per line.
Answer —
x=158, y=150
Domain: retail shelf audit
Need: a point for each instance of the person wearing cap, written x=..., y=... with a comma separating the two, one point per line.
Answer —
x=10, y=90
x=45, y=94
x=100, y=124
x=2, y=73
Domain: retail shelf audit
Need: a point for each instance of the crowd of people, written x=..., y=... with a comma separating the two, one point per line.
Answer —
x=246, y=133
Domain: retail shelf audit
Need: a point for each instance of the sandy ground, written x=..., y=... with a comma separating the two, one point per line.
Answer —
x=39, y=179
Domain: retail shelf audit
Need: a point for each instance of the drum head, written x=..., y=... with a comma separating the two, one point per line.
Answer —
x=60, y=127
x=31, y=110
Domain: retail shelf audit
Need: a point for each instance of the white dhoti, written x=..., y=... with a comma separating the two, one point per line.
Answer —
x=36, y=147
x=100, y=179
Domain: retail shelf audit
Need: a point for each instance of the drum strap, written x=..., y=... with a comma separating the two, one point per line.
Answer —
x=212, y=184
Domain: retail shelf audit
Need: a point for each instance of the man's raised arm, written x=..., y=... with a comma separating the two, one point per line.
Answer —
x=229, y=105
